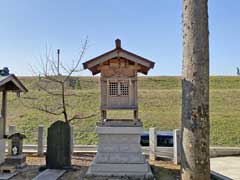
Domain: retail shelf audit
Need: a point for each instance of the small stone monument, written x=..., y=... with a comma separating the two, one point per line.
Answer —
x=16, y=157
x=58, y=146
x=119, y=152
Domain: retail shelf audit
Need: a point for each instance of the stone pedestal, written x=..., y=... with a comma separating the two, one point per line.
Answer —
x=18, y=160
x=119, y=154
x=2, y=150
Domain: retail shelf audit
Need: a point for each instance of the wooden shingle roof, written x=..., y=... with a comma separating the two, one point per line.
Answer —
x=118, y=52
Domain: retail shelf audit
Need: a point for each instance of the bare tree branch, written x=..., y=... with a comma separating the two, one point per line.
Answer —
x=74, y=69
x=54, y=84
x=80, y=118
x=45, y=109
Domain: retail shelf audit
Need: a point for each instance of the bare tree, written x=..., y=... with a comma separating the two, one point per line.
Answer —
x=195, y=163
x=54, y=83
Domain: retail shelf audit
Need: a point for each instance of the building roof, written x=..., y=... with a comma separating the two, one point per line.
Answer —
x=118, y=52
x=11, y=83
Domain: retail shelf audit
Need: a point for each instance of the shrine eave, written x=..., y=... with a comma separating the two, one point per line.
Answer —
x=11, y=83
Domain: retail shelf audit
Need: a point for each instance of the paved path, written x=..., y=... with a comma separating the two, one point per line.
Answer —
x=49, y=174
x=227, y=166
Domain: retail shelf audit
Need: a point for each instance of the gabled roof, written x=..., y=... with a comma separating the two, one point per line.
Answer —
x=118, y=52
x=11, y=83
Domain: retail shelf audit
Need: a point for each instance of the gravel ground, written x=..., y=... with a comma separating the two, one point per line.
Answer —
x=162, y=170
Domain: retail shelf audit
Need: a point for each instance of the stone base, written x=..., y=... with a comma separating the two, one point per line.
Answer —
x=18, y=160
x=2, y=151
x=119, y=154
x=116, y=171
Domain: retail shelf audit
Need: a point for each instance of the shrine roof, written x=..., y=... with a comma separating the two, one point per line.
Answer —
x=21, y=136
x=118, y=52
x=10, y=82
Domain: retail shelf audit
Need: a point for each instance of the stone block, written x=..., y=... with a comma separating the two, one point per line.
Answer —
x=6, y=176
x=49, y=174
x=40, y=140
x=152, y=143
x=177, y=146
x=16, y=160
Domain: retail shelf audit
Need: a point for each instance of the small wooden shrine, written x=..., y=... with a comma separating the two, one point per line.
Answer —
x=118, y=69
x=8, y=83
x=119, y=153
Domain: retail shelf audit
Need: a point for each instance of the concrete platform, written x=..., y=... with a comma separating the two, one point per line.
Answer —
x=227, y=166
x=119, y=154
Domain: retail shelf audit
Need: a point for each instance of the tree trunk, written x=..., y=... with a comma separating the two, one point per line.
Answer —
x=195, y=163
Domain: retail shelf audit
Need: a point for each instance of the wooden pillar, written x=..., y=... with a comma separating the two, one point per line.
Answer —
x=4, y=114
x=103, y=115
x=40, y=140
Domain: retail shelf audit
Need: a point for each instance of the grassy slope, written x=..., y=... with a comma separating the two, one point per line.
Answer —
x=159, y=106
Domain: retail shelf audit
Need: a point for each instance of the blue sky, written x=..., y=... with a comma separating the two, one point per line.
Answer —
x=150, y=28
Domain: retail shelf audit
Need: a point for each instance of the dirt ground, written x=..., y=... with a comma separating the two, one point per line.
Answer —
x=162, y=169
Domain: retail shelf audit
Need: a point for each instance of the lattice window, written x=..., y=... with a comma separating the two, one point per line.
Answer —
x=113, y=88
x=119, y=88
x=124, y=88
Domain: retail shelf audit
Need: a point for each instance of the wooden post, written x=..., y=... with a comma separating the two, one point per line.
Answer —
x=176, y=146
x=4, y=114
x=40, y=140
x=152, y=144
x=12, y=129
x=135, y=114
